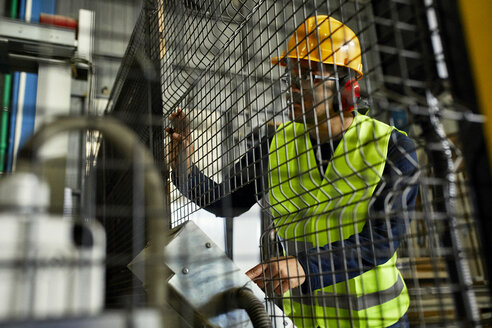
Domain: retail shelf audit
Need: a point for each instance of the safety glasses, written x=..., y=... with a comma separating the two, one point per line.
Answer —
x=304, y=79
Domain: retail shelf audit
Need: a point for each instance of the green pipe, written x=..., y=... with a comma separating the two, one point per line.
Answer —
x=13, y=9
x=4, y=121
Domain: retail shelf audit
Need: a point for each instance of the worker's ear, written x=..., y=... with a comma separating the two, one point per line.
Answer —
x=350, y=95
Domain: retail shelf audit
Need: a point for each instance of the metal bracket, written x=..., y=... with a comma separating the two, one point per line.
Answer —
x=201, y=273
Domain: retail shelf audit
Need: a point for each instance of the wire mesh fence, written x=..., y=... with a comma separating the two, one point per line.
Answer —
x=333, y=124
x=377, y=218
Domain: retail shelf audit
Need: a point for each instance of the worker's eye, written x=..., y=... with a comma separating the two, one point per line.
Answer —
x=320, y=78
x=305, y=76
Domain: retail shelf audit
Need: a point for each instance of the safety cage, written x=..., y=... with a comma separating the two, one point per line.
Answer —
x=332, y=150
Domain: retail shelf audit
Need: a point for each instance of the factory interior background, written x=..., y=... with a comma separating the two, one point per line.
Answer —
x=99, y=227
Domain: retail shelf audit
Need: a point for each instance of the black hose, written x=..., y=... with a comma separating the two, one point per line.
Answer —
x=243, y=298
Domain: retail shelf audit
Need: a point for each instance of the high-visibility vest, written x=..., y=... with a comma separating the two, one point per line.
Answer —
x=310, y=210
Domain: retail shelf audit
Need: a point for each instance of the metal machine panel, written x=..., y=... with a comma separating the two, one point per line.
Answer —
x=202, y=274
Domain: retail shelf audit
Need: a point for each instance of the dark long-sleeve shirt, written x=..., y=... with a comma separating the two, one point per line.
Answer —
x=328, y=264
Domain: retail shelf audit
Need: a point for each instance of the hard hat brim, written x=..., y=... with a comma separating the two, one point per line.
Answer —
x=281, y=61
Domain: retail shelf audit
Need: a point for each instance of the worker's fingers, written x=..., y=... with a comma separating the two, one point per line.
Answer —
x=272, y=270
x=282, y=287
x=261, y=275
x=255, y=272
x=178, y=137
x=260, y=282
x=274, y=283
x=174, y=135
x=173, y=117
x=278, y=275
x=270, y=277
x=274, y=275
x=177, y=116
x=177, y=112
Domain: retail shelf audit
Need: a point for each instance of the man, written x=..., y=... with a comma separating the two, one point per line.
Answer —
x=338, y=183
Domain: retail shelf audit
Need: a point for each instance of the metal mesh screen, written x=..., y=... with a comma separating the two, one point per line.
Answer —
x=368, y=217
x=329, y=146
x=119, y=197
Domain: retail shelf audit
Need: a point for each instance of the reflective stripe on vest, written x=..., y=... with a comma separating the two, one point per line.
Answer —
x=311, y=209
x=344, y=301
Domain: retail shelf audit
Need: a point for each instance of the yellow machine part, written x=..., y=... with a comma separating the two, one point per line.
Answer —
x=477, y=25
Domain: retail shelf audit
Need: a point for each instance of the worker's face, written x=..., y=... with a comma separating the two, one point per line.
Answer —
x=311, y=91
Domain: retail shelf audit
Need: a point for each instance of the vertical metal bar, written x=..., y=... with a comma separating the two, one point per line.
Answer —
x=229, y=237
x=227, y=159
x=441, y=157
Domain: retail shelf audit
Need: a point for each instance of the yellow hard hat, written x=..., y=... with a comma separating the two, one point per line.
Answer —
x=338, y=44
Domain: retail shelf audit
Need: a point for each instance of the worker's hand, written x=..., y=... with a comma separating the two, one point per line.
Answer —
x=180, y=156
x=278, y=274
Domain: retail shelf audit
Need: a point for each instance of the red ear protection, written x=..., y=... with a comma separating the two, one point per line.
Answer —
x=350, y=94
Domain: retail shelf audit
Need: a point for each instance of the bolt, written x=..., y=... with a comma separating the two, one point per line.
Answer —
x=208, y=245
x=185, y=270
